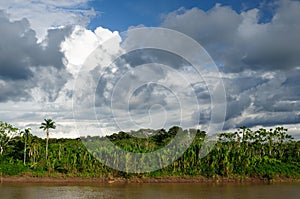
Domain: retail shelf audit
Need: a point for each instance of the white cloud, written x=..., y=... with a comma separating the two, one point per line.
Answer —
x=260, y=61
x=46, y=91
x=45, y=14
x=82, y=43
x=264, y=92
x=238, y=41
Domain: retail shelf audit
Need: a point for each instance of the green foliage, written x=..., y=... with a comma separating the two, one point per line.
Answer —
x=12, y=168
x=7, y=136
x=46, y=125
x=244, y=153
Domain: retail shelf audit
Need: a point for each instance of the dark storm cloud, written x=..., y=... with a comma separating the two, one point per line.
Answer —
x=13, y=90
x=270, y=101
x=270, y=119
x=22, y=59
x=17, y=45
x=52, y=55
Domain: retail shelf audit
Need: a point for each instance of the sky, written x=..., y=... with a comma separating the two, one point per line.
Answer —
x=73, y=61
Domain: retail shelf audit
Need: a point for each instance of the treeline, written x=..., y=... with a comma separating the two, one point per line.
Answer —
x=244, y=153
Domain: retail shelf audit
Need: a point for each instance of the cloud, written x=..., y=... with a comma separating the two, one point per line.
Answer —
x=145, y=81
x=264, y=99
x=40, y=60
x=24, y=60
x=238, y=41
x=45, y=14
x=12, y=58
x=16, y=90
x=259, y=61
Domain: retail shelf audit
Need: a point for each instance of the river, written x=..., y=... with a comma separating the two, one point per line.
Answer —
x=151, y=191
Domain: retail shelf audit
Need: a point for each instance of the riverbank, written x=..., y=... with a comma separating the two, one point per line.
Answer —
x=78, y=180
x=68, y=160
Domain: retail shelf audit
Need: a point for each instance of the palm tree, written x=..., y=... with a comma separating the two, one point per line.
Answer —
x=27, y=136
x=46, y=125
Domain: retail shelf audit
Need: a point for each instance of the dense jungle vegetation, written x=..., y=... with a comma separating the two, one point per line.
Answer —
x=244, y=153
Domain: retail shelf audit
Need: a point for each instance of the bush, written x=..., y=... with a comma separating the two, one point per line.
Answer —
x=12, y=169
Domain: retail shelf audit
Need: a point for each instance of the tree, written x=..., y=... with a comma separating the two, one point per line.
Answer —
x=7, y=135
x=27, y=137
x=46, y=125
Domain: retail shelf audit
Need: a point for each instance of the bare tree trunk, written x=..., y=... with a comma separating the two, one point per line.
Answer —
x=34, y=153
x=59, y=151
x=47, y=140
x=25, y=153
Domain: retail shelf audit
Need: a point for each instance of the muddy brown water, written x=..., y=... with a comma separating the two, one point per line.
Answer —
x=151, y=191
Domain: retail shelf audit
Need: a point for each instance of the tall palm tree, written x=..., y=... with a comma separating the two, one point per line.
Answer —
x=46, y=125
x=26, y=136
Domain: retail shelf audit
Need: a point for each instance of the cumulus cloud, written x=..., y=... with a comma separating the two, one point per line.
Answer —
x=24, y=61
x=45, y=14
x=259, y=61
x=127, y=89
x=238, y=41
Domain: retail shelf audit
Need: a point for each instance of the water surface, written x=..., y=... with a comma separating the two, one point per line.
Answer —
x=151, y=191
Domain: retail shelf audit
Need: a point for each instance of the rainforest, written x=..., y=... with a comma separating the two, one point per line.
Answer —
x=262, y=154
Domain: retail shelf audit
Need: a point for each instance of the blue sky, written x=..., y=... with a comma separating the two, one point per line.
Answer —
x=121, y=14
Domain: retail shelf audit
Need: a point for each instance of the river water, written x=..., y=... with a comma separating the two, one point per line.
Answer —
x=151, y=191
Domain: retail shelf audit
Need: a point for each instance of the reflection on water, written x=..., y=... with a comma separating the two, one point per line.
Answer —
x=156, y=191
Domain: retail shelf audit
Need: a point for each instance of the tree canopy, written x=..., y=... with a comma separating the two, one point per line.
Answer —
x=245, y=153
